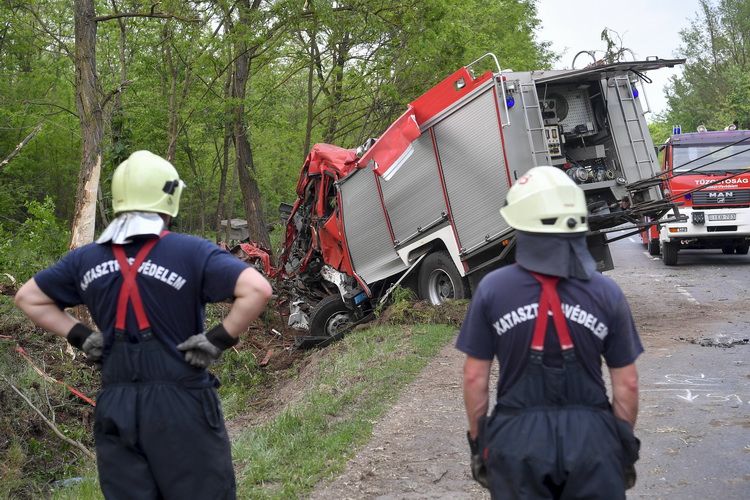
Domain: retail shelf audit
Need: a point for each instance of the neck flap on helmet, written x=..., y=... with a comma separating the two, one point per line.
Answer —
x=563, y=255
x=129, y=224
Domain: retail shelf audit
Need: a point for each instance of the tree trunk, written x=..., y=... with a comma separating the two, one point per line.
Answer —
x=90, y=116
x=256, y=219
x=232, y=188
x=172, y=126
x=340, y=59
x=314, y=56
x=224, y=206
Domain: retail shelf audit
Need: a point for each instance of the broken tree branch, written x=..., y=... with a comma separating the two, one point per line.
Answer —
x=52, y=426
x=115, y=91
x=158, y=15
x=20, y=146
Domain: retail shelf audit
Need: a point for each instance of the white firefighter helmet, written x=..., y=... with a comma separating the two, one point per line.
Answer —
x=148, y=183
x=546, y=200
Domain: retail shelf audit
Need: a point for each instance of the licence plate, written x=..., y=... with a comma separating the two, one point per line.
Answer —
x=722, y=216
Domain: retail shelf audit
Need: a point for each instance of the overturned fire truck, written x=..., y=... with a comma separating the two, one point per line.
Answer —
x=419, y=206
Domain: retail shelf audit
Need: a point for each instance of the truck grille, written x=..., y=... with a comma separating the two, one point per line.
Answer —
x=729, y=197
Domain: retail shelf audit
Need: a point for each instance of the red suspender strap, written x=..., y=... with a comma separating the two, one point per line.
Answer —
x=129, y=290
x=549, y=300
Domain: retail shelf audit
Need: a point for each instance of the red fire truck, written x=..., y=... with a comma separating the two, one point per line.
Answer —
x=419, y=206
x=707, y=175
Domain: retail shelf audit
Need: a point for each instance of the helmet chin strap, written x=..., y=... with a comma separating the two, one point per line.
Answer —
x=562, y=255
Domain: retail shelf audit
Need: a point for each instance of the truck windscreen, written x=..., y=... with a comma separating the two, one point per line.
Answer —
x=711, y=159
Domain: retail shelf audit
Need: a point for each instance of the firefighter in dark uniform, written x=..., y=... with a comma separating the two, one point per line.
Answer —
x=550, y=319
x=158, y=427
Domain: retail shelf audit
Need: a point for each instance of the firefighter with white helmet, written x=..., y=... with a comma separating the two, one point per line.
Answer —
x=546, y=201
x=158, y=425
x=550, y=320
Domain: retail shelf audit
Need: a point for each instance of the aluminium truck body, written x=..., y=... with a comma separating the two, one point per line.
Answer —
x=420, y=205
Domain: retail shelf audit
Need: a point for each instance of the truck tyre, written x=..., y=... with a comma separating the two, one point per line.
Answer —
x=727, y=249
x=653, y=246
x=669, y=253
x=329, y=317
x=439, y=280
x=742, y=248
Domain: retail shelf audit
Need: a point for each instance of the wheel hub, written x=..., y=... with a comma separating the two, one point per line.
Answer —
x=440, y=287
x=336, y=323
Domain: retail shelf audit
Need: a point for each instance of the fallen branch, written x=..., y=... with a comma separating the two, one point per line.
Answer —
x=20, y=146
x=267, y=358
x=52, y=426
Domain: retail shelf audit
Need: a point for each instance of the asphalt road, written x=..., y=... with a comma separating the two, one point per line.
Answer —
x=694, y=421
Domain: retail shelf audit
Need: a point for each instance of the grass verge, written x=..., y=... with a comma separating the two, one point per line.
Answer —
x=355, y=383
x=351, y=385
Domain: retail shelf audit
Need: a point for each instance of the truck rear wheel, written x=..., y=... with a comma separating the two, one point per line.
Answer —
x=329, y=317
x=653, y=246
x=439, y=280
x=727, y=249
x=742, y=248
x=669, y=253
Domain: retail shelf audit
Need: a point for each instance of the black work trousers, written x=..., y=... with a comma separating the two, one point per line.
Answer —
x=553, y=436
x=159, y=428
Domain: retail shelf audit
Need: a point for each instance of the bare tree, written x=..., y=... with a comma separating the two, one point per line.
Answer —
x=90, y=117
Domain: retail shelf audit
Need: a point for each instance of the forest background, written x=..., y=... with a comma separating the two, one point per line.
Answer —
x=235, y=93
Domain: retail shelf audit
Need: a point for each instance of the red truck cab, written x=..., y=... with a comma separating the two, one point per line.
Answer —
x=708, y=177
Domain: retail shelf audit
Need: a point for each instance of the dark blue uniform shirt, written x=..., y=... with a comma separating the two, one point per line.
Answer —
x=180, y=275
x=501, y=318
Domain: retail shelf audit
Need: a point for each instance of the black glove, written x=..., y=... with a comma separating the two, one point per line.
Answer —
x=631, y=449
x=204, y=348
x=630, y=476
x=478, y=468
x=89, y=341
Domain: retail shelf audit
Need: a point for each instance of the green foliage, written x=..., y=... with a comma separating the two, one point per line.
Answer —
x=713, y=88
x=450, y=312
x=36, y=88
x=37, y=243
x=398, y=296
x=326, y=74
x=84, y=487
x=660, y=131
x=403, y=307
x=241, y=377
x=351, y=388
